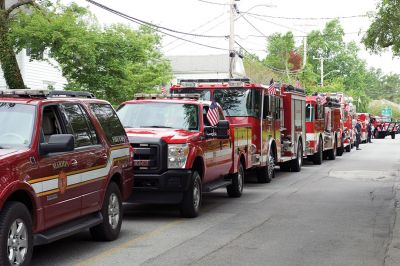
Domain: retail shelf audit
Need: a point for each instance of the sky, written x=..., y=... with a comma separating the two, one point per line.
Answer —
x=203, y=17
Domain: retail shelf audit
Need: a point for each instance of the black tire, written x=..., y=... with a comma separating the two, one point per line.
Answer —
x=16, y=214
x=285, y=167
x=297, y=163
x=235, y=189
x=317, y=158
x=109, y=229
x=191, y=201
x=332, y=152
x=340, y=150
x=393, y=135
x=267, y=173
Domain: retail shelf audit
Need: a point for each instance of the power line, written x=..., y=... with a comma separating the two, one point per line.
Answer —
x=254, y=27
x=278, y=24
x=152, y=24
x=156, y=29
x=295, y=36
x=306, y=18
x=213, y=3
x=199, y=27
x=277, y=70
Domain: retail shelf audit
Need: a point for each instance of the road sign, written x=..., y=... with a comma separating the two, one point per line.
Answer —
x=387, y=111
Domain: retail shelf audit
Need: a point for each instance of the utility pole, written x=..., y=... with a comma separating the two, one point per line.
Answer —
x=305, y=51
x=232, y=53
x=322, y=68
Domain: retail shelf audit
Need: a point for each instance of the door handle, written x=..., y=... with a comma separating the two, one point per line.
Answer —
x=74, y=163
x=104, y=156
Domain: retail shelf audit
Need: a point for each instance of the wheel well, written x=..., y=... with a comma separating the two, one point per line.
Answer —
x=243, y=161
x=198, y=165
x=117, y=178
x=23, y=197
x=273, y=147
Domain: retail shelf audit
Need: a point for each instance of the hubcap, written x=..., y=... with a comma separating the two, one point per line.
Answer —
x=240, y=179
x=113, y=211
x=271, y=166
x=17, y=244
x=196, y=195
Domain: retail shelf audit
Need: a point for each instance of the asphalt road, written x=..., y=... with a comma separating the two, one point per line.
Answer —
x=339, y=213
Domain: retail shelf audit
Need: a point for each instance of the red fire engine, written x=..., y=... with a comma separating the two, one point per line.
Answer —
x=264, y=108
x=323, y=128
x=383, y=126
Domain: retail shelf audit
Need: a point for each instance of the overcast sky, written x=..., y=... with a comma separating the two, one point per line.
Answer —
x=199, y=17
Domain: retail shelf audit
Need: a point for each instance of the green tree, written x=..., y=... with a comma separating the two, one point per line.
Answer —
x=113, y=62
x=8, y=61
x=257, y=71
x=279, y=50
x=384, y=31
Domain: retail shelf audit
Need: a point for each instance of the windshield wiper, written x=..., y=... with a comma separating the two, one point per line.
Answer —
x=156, y=126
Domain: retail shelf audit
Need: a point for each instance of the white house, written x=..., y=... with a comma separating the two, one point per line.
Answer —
x=205, y=67
x=36, y=74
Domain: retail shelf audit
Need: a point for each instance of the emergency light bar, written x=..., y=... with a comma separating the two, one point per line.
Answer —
x=46, y=93
x=138, y=96
x=190, y=83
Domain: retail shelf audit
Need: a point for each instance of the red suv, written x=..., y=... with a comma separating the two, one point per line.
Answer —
x=65, y=166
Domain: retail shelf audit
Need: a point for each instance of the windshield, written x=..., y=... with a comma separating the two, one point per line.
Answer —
x=160, y=115
x=310, y=113
x=16, y=122
x=239, y=102
x=204, y=94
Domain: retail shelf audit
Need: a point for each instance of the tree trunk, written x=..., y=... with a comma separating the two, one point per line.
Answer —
x=8, y=60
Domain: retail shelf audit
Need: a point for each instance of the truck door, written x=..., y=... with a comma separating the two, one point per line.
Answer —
x=212, y=150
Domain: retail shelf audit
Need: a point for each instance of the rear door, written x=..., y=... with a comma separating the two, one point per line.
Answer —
x=89, y=162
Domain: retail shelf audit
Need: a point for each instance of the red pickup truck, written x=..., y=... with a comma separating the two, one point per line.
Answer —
x=179, y=155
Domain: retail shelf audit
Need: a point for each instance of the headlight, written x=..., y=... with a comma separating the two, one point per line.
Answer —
x=177, y=155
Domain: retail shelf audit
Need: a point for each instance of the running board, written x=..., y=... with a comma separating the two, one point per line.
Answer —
x=67, y=229
x=216, y=185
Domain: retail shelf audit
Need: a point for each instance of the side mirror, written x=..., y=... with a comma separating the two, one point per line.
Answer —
x=58, y=143
x=222, y=129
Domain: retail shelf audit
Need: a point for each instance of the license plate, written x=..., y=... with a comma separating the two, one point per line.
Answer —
x=141, y=162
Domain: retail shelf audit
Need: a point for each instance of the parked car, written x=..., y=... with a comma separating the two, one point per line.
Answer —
x=65, y=166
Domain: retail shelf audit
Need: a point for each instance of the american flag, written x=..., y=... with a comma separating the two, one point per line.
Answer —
x=298, y=84
x=271, y=89
x=322, y=100
x=212, y=113
x=348, y=108
x=163, y=89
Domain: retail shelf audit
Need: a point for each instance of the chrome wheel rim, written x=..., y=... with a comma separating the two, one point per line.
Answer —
x=196, y=195
x=17, y=242
x=113, y=211
x=271, y=166
x=240, y=179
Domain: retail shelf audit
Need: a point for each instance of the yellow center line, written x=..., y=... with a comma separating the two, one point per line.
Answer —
x=129, y=243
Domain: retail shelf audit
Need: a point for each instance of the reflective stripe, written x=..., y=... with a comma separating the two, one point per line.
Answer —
x=77, y=177
x=242, y=142
x=311, y=136
x=219, y=153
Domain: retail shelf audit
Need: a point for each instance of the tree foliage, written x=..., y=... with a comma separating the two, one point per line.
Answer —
x=384, y=31
x=113, y=62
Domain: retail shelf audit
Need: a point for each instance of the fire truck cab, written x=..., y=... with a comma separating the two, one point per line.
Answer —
x=264, y=108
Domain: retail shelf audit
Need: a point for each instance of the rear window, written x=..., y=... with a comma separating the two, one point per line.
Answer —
x=110, y=123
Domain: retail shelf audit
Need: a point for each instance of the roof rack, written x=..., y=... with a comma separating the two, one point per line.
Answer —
x=78, y=94
x=45, y=93
x=195, y=96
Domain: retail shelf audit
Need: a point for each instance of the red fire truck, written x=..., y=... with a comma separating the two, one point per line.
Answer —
x=275, y=140
x=383, y=126
x=178, y=152
x=322, y=127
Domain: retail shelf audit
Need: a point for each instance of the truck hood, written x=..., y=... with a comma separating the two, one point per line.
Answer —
x=4, y=153
x=167, y=134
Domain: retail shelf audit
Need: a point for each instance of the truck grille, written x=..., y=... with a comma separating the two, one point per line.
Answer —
x=146, y=157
